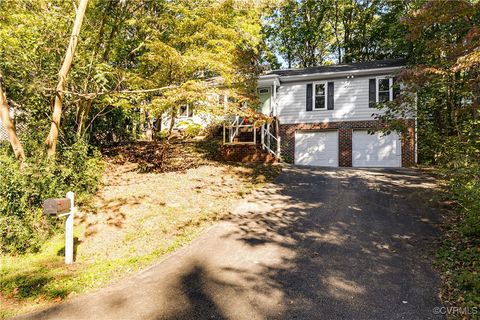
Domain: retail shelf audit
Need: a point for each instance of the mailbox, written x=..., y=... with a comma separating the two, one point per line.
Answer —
x=63, y=207
x=56, y=207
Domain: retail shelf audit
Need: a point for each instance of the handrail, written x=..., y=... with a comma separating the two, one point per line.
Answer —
x=245, y=125
x=234, y=123
x=267, y=138
x=234, y=128
x=267, y=144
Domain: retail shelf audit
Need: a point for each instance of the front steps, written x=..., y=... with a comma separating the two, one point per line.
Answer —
x=244, y=135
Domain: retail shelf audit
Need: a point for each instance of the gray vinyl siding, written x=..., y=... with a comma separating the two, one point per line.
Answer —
x=350, y=102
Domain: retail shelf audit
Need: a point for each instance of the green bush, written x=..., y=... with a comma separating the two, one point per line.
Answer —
x=464, y=184
x=23, y=227
x=162, y=134
x=190, y=128
x=460, y=160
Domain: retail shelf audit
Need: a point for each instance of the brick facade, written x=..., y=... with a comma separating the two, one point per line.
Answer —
x=245, y=153
x=345, y=130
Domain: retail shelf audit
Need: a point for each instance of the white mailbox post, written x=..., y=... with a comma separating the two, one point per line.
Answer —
x=69, y=230
x=59, y=208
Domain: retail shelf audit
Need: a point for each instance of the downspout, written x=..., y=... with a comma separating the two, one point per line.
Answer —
x=275, y=114
x=274, y=99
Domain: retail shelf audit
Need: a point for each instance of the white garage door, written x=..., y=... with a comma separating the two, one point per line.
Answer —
x=316, y=148
x=376, y=150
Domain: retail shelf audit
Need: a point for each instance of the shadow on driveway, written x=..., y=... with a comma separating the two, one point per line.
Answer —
x=316, y=244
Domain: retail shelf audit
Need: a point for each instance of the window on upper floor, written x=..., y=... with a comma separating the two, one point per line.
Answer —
x=320, y=95
x=384, y=89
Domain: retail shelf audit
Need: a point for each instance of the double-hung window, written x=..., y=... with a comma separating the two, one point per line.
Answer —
x=320, y=95
x=185, y=111
x=384, y=89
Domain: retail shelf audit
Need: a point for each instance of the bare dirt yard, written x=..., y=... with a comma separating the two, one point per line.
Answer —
x=151, y=203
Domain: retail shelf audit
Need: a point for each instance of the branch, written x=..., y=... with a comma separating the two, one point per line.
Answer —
x=93, y=95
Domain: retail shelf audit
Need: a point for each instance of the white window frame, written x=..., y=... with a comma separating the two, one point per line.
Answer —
x=390, y=89
x=188, y=112
x=314, y=95
x=264, y=88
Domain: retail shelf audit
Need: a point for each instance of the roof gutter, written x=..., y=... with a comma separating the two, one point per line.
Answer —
x=332, y=74
x=268, y=80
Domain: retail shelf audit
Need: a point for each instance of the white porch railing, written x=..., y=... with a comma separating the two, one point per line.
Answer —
x=232, y=131
x=269, y=141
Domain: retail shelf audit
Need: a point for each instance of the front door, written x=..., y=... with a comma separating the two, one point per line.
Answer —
x=265, y=95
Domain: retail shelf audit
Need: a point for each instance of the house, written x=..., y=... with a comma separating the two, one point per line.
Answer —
x=186, y=115
x=3, y=133
x=325, y=114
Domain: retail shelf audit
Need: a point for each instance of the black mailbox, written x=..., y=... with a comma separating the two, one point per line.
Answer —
x=57, y=207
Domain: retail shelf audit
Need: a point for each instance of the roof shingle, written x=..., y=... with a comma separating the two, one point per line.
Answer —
x=340, y=67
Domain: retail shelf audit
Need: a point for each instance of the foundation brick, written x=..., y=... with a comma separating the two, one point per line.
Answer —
x=245, y=153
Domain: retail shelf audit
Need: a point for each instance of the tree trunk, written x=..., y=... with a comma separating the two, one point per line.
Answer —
x=337, y=37
x=85, y=107
x=149, y=129
x=172, y=124
x=84, y=111
x=9, y=126
x=52, y=138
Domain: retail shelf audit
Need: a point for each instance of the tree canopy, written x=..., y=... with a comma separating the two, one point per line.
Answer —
x=126, y=51
x=308, y=33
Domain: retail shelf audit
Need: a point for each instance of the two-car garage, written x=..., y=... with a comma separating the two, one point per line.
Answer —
x=321, y=148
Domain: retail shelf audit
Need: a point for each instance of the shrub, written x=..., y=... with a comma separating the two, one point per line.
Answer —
x=23, y=227
x=190, y=128
x=460, y=160
x=162, y=134
x=213, y=130
x=464, y=184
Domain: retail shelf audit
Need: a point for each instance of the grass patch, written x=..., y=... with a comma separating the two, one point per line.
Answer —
x=135, y=219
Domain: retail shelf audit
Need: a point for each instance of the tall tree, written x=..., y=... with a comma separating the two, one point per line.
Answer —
x=444, y=75
x=8, y=125
x=280, y=31
x=306, y=33
x=298, y=32
x=118, y=63
x=214, y=47
x=52, y=138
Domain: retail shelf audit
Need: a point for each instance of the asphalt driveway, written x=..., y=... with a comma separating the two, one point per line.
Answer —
x=316, y=244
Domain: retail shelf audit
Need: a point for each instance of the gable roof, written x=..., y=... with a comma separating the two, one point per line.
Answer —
x=358, y=66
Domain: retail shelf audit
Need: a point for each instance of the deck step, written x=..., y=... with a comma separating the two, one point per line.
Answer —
x=244, y=137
